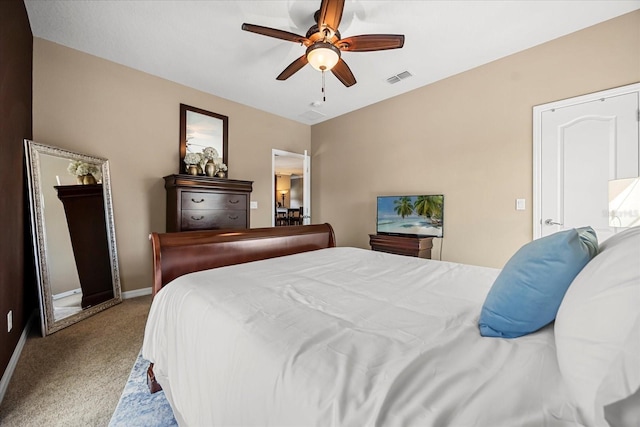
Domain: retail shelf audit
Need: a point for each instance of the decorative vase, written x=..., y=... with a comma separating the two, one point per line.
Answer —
x=210, y=169
x=88, y=179
x=220, y=174
x=79, y=179
x=192, y=169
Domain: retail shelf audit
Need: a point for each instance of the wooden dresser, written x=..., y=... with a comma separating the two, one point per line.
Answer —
x=205, y=203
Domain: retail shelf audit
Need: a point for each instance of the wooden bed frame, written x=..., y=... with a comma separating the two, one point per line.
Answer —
x=176, y=254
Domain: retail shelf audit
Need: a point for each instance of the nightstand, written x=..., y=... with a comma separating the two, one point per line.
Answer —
x=419, y=247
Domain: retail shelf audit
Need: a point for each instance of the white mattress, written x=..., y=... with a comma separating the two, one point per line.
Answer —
x=347, y=337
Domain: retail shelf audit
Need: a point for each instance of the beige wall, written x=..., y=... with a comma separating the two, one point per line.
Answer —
x=469, y=137
x=93, y=106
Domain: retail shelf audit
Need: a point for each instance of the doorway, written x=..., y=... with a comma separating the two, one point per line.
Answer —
x=291, y=188
x=580, y=145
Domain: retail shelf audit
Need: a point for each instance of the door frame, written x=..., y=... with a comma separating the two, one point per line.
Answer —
x=276, y=152
x=537, y=140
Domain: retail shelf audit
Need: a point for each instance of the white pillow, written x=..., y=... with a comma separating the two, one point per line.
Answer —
x=596, y=319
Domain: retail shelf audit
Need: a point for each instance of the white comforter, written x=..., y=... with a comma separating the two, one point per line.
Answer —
x=347, y=337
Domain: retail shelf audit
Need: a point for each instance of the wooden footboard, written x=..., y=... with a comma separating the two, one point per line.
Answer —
x=176, y=254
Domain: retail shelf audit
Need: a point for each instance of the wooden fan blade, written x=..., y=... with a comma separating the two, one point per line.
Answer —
x=342, y=71
x=330, y=14
x=294, y=67
x=371, y=42
x=278, y=34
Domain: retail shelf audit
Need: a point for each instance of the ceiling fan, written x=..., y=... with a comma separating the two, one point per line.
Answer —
x=324, y=43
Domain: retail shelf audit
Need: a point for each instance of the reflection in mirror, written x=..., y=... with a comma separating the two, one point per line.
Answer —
x=200, y=129
x=73, y=235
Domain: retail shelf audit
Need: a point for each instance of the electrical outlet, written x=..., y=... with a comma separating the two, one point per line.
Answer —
x=254, y=205
x=9, y=320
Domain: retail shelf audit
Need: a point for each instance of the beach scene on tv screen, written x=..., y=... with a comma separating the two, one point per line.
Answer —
x=411, y=215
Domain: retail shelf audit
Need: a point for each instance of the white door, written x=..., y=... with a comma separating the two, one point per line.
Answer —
x=583, y=146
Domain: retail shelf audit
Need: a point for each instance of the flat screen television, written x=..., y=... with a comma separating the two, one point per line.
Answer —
x=411, y=216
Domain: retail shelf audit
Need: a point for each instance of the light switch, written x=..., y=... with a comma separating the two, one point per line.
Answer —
x=520, y=205
x=253, y=205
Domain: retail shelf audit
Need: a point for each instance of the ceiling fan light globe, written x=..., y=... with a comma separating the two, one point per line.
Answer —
x=323, y=56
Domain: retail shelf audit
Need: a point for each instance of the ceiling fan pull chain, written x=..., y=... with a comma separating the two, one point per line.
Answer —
x=324, y=94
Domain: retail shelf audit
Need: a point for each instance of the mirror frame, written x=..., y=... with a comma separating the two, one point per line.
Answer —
x=33, y=151
x=184, y=128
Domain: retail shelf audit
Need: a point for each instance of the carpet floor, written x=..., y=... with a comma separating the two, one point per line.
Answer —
x=137, y=406
x=75, y=376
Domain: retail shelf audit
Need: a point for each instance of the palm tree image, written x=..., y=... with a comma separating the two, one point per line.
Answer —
x=403, y=206
x=429, y=207
x=410, y=215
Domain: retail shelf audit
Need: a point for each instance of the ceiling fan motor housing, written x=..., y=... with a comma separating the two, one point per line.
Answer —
x=327, y=34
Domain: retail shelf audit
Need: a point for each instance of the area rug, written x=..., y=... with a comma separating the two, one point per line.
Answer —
x=137, y=406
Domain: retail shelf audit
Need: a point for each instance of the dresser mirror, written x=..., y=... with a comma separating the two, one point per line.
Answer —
x=73, y=235
x=200, y=129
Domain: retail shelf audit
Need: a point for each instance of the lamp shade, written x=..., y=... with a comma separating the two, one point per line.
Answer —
x=323, y=56
x=624, y=202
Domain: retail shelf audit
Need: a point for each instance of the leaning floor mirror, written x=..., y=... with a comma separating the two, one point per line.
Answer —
x=73, y=232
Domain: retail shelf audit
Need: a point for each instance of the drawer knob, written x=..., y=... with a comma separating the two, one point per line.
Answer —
x=197, y=218
x=233, y=202
x=197, y=201
x=233, y=217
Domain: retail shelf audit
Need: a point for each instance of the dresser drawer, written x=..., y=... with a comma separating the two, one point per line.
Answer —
x=199, y=219
x=192, y=200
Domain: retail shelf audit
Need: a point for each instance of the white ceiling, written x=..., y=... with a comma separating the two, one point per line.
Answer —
x=200, y=44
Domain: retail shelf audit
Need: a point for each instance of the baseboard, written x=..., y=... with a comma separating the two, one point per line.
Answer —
x=13, y=362
x=136, y=293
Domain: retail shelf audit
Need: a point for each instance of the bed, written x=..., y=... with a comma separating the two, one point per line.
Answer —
x=278, y=326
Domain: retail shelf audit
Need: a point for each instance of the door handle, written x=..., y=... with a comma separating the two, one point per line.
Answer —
x=549, y=221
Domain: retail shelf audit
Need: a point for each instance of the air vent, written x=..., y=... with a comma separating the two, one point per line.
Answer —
x=401, y=76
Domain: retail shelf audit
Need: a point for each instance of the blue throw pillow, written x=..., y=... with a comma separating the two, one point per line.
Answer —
x=528, y=291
